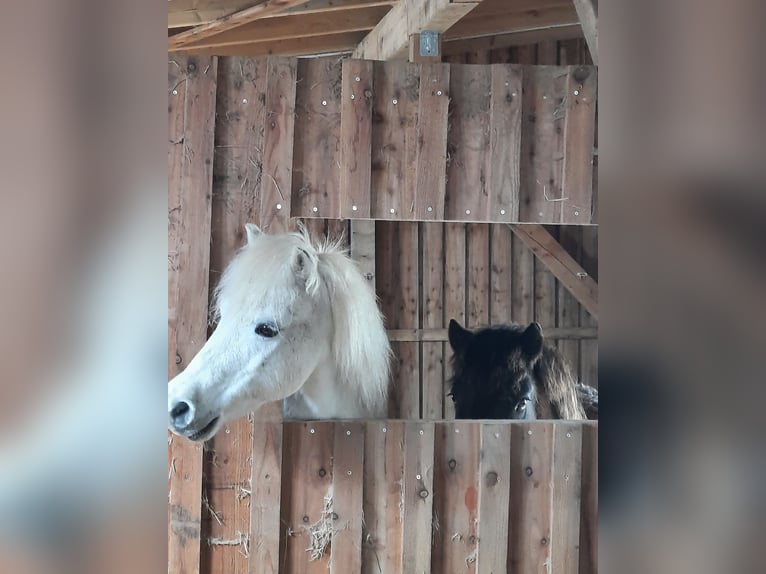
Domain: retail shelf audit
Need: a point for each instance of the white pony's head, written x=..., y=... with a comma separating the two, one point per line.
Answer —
x=288, y=312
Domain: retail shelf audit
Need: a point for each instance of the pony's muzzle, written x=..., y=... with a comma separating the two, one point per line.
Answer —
x=181, y=415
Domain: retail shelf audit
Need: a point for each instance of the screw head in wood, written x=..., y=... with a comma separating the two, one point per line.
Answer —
x=569, y=435
x=279, y=206
x=315, y=209
x=576, y=92
x=423, y=493
x=348, y=433
x=394, y=101
x=227, y=431
x=457, y=430
x=577, y=213
x=438, y=92
x=244, y=100
x=353, y=96
x=502, y=212
x=353, y=208
x=468, y=212
x=392, y=210
x=513, y=94
x=175, y=92
x=312, y=431
x=324, y=102
x=540, y=213
x=417, y=477
x=529, y=432
x=429, y=209
x=384, y=429
x=357, y=78
x=421, y=433
x=348, y=473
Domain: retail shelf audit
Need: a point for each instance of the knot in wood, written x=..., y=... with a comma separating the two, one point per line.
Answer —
x=335, y=516
x=491, y=478
x=452, y=464
x=322, y=472
x=528, y=471
x=305, y=518
x=544, y=541
x=178, y=359
x=472, y=540
x=191, y=67
x=423, y=493
x=367, y=94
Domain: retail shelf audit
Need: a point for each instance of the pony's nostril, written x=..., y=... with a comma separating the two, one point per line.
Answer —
x=181, y=414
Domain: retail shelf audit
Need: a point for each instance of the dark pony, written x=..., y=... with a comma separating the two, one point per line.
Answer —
x=510, y=372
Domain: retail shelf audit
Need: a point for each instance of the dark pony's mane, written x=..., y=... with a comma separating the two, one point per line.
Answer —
x=492, y=365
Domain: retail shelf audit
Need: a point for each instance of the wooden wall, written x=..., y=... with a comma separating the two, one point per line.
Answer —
x=238, y=153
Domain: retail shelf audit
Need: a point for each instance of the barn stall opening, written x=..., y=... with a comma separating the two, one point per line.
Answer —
x=464, y=191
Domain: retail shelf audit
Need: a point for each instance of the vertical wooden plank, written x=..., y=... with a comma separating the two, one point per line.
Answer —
x=398, y=289
x=589, y=347
x=545, y=292
x=432, y=297
x=356, y=138
x=505, y=142
x=569, y=52
x=522, y=283
x=189, y=246
x=418, y=497
x=565, y=514
x=454, y=294
x=542, y=143
x=339, y=230
x=279, y=119
x=477, y=239
x=394, y=138
x=307, y=488
x=348, y=485
x=456, y=501
x=547, y=53
x=568, y=309
x=432, y=126
x=531, y=468
x=236, y=175
x=265, y=498
x=494, y=498
x=501, y=264
x=383, y=497
x=363, y=247
x=579, y=133
x=316, y=146
x=589, y=500
x=468, y=144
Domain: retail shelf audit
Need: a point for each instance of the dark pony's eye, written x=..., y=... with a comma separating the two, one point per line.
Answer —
x=267, y=330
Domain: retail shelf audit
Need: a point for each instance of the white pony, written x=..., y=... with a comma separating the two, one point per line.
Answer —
x=298, y=323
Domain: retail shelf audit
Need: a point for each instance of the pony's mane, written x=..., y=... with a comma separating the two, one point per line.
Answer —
x=360, y=345
x=561, y=383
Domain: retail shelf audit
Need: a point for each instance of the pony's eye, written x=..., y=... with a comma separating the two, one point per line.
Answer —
x=521, y=405
x=267, y=330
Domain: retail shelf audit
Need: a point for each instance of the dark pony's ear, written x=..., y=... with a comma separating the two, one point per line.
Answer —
x=458, y=336
x=532, y=341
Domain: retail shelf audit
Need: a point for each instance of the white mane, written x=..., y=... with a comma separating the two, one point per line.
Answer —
x=359, y=343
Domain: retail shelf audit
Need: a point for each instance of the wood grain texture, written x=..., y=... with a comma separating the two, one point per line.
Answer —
x=580, y=127
x=494, y=498
x=501, y=273
x=418, y=502
x=432, y=305
x=316, y=140
x=279, y=120
x=456, y=488
x=468, y=144
x=383, y=497
x=432, y=127
x=265, y=498
x=589, y=500
x=522, y=283
x=454, y=293
x=190, y=160
x=348, y=486
x=307, y=481
x=565, y=513
x=587, y=13
x=531, y=474
x=504, y=142
x=363, y=247
x=478, y=279
x=356, y=139
x=589, y=349
x=567, y=307
x=394, y=140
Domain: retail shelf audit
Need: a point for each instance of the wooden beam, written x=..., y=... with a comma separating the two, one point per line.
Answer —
x=313, y=45
x=438, y=335
x=520, y=38
x=488, y=23
x=230, y=22
x=391, y=37
x=183, y=13
x=561, y=264
x=587, y=12
x=295, y=26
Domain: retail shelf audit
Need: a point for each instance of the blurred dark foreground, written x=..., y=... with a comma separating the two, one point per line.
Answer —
x=682, y=210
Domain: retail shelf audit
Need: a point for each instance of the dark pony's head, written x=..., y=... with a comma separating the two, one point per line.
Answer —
x=509, y=372
x=494, y=371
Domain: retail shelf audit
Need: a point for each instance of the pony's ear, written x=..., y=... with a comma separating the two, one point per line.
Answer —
x=305, y=267
x=253, y=232
x=532, y=341
x=458, y=336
